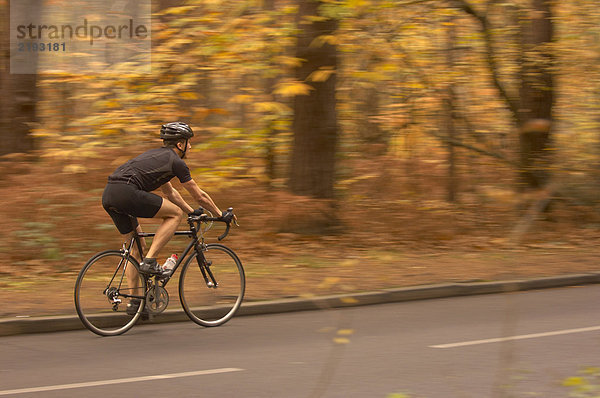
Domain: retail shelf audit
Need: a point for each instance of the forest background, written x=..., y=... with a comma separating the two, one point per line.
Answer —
x=363, y=144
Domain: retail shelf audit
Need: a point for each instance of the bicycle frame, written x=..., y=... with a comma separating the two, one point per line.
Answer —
x=195, y=244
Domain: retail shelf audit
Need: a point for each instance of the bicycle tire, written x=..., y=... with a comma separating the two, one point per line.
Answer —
x=102, y=275
x=210, y=306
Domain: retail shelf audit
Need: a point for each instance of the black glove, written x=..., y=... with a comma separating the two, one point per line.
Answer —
x=227, y=215
x=198, y=212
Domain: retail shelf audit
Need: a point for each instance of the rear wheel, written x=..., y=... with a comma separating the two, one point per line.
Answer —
x=215, y=300
x=104, y=287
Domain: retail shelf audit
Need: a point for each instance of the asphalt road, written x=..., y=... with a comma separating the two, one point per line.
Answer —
x=504, y=345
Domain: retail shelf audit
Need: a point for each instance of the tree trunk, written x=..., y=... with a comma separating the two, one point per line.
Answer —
x=452, y=186
x=368, y=131
x=533, y=109
x=270, y=142
x=536, y=96
x=18, y=94
x=312, y=171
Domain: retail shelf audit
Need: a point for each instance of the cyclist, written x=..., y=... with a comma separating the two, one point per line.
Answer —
x=128, y=195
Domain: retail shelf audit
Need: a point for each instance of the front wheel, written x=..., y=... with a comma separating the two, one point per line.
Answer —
x=104, y=287
x=212, y=289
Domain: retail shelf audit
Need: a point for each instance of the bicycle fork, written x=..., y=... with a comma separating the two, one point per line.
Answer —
x=204, y=266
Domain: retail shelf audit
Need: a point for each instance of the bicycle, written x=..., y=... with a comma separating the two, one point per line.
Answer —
x=210, y=293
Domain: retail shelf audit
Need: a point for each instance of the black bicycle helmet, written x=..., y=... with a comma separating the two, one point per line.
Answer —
x=176, y=131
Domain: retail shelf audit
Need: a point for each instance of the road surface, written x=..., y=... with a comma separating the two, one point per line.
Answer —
x=505, y=345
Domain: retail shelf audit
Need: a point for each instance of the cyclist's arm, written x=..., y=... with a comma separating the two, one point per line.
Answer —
x=174, y=196
x=202, y=197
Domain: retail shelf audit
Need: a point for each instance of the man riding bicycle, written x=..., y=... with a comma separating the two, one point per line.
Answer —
x=128, y=195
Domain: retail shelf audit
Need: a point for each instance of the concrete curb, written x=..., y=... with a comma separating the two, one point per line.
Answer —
x=63, y=323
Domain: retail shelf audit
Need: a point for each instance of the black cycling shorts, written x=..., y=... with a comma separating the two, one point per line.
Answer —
x=125, y=202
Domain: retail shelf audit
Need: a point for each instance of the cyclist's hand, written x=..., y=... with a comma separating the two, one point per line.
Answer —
x=228, y=216
x=197, y=212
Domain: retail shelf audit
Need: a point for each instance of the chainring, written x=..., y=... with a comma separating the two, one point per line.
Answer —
x=157, y=303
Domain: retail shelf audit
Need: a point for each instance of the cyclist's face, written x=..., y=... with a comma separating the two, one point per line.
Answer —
x=182, y=148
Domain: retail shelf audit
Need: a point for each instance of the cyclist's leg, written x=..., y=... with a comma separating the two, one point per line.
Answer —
x=135, y=252
x=171, y=215
x=115, y=200
x=126, y=200
x=131, y=272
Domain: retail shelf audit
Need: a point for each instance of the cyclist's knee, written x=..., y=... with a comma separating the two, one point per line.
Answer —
x=175, y=212
x=178, y=212
x=169, y=210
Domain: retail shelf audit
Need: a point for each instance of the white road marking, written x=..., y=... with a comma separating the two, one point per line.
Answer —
x=119, y=381
x=521, y=337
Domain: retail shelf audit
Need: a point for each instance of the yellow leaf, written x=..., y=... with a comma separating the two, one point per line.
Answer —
x=389, y=67
x=356, y=3
x=44, y=133
x=274, y=107
x=320, y=75
x=324, y=39
x=292, y=62
x=349, y=300
x=291, y=89
x=178, y=10
x=341, y=340
x=111, y=103
x=241, y=99
x=573, y=381
x=345, y=332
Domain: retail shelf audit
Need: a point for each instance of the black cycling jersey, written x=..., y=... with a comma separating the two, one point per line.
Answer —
x=152, y=169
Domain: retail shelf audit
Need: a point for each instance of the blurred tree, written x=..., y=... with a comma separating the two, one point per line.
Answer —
x=18, y=95
x=449, y=104
x=531, y=104
x=312, y=168
x=535, y=113
x=269, y=83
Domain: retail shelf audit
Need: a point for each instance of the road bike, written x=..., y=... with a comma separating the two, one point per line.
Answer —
x=211, y=283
